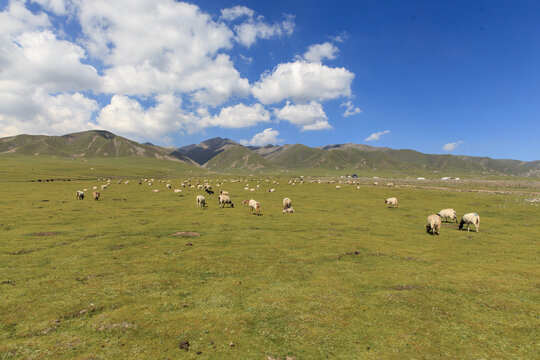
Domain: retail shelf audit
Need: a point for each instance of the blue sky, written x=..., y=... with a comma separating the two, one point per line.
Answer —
x=458, y=77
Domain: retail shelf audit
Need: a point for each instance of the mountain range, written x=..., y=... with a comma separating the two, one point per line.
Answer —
x=226, y=156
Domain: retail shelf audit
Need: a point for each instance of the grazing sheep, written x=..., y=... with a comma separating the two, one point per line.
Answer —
x=224, y=199
x=253, y=206
x=82, y=189
x=103, y=187
x=155, y=190
x=126, y=182
x=271, y=190
x=391, y=202
x=288, y=210
x=201, y=201
x=94, y=187
x=169, y=186
x=470, y=218
x=433, y=224
x=177, y=190
x=223, y=192
x=80, y=195
x=338, y=187
x=287, y=203
x=208, y=191
x=96, y=195
x=448, y=213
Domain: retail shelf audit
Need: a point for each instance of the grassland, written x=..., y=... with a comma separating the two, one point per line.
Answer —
x=342, y=278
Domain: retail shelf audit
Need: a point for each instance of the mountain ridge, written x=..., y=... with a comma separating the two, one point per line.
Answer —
x=225, y=155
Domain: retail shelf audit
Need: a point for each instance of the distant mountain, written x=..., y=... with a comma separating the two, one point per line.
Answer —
x=238, y=157
x=86, y=144
x=225, y=155
x=203, y=152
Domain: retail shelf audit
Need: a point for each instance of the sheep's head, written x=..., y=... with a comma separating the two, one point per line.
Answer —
x=461, y=224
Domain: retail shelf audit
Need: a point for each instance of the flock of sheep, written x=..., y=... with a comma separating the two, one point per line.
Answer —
x=433, y=226
x=434, y=221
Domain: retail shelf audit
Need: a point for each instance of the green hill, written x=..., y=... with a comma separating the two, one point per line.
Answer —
x=87, y=144
x=238, y=157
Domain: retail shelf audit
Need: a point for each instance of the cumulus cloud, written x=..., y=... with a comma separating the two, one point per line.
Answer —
x=302, y=81
x=267, y=136
x=127, y=117
x=47, y=114
x=318, y=52
x=248, y=32
x=452, y=146
x=238, y=116
x=53, y=82
x=376, y=136
x=236, y=12
x=350, y=109
x=309, y=116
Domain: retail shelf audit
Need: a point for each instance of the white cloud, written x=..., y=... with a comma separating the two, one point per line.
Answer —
x=248, y=32
x=309, y=116
x=16, y=19
x=169, y=53
x=127, y=117
x=318, y=52
x=182, y=52
x=39, y=59
x=267, y=136
x=236, y=12
x=48, y=114
x=350, y=109
x=376, y=136
x=303, y=81
x=237, y=116
x=451, y=146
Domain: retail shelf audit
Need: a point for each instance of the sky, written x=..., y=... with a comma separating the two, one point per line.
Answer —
x=440, y=77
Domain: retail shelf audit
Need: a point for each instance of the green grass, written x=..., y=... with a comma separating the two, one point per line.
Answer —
x=22, y=168
x=342, y=278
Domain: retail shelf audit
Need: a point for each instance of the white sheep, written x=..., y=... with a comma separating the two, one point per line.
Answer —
x=223, y=192
x=288, y=210
x=177, y=190
x=80, y=195
x=433, y=224
x=201, y=201
x=253, y=205
x=287, y=203
x=391, y=202
x=448, y=213
x=169, y=186
x=470, y=218
x=94, y=187
x=155, y=190
x=338, y=187
x=224, y=199
x=271, y=190
x=96, y=195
